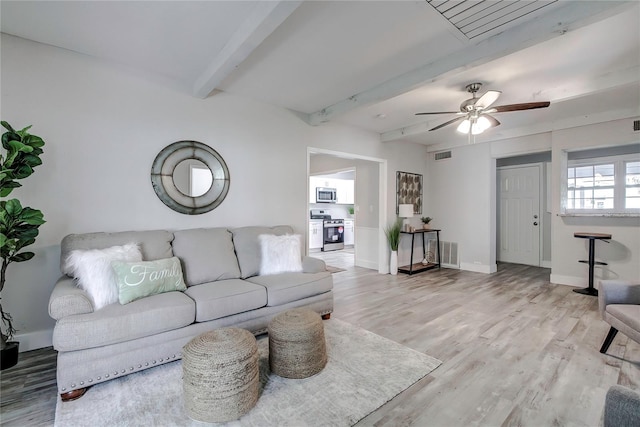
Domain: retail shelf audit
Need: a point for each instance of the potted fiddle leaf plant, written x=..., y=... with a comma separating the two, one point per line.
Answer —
x=393, y=237
x=18, y=225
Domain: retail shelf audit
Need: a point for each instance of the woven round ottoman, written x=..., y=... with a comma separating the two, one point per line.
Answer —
x=221, y=379
x=297, y=347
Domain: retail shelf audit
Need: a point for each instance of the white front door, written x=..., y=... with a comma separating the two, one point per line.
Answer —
x=519, y=215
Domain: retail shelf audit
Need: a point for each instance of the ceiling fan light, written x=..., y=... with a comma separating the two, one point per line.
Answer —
x=483, y=124
x=464, y=126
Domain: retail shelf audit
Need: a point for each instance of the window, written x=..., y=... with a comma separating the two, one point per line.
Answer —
x=632, y=185
x=606, y=184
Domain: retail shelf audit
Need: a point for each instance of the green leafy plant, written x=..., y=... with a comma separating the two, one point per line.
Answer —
x=351, y=210
x=426, y=219
x=393, y=234
x=18, y=225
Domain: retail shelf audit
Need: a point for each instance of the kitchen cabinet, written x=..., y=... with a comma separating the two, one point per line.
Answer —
x=349, y=232
x=345, y=192
x=344, y=189
x=315, y=234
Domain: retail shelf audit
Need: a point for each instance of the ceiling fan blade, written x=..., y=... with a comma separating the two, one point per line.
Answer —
x=438, y=112
x=519, y=107
x=494, y=122
x=450, y=122
x=487, y=99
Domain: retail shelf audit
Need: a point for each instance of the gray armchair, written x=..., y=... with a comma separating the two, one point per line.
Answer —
x=621, y=407
x=619, y=303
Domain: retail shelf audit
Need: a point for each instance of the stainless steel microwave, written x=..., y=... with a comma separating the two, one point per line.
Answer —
x=326, y=195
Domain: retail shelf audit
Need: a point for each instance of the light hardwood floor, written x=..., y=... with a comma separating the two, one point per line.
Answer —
x=516, y=350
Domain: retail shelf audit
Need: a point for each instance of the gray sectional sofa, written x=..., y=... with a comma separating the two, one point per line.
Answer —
x=220, y=268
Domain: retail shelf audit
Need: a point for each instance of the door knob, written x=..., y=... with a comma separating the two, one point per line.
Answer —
x=535, y=217
x=535, y=223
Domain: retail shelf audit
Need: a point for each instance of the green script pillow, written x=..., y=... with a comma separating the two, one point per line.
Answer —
x=143, y=278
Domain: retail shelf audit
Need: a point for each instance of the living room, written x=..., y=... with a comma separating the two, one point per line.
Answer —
x=104, y=122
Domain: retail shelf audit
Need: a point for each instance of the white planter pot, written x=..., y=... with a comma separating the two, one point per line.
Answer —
x=393, y=263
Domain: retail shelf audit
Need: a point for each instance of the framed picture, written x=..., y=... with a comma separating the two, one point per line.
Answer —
x=409, y=191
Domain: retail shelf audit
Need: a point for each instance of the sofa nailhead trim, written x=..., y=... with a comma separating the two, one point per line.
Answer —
x=90, y=380
x=64, y=388
x=73, y=385
x=81, y=382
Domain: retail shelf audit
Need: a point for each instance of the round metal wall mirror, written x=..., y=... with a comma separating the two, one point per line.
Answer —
x=190, y=177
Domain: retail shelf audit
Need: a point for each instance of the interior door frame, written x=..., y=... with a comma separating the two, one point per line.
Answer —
x=541, y=193
x=383, y=258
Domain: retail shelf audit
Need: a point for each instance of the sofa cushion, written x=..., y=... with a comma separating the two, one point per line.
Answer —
x=153, y=244
x=92, y=269
x=207, y=255
x=279, y=254
x=141, y=279
x=245, y=240
x=288, y=287
x=226, y=297
x=118, y=323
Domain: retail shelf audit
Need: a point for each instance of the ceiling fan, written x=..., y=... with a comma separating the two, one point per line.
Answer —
x=474, y=113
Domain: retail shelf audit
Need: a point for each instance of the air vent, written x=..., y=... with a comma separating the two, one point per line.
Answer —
x=448, y=252
x=474, y=18
x=636, y=125
x=442, y=155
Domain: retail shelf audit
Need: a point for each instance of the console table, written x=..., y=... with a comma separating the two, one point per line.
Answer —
x=592, y=258
x=418, y=267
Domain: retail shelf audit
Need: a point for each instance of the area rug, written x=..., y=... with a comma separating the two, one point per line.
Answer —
x=364, y=371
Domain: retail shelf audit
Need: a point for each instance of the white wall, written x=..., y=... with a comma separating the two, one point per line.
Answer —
x=462, y=199
x=623, y=253
x=104, y=125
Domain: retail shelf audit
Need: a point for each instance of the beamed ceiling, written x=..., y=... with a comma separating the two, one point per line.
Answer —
x=370, y=64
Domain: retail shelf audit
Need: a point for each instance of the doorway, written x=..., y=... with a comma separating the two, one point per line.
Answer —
x=523, y=215
x=369, y=205
x=518, y=212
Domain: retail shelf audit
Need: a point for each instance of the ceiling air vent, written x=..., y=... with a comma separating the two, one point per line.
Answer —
x=636, y=125
x=474, y=18
x=443, y=155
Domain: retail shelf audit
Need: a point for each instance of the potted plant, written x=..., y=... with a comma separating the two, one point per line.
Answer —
x=351, y=210
x=393, y=237
x=18, y=225
x=425, y=222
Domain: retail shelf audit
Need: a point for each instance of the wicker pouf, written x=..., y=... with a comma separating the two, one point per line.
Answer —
x=297, y=347
x=221, y=379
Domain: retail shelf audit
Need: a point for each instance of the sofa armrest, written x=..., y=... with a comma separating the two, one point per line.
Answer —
x=313, y=265
x=622, y=407
x=617, y=292
x=67, y=299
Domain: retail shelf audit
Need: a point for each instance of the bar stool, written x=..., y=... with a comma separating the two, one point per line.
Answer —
x=592, y=258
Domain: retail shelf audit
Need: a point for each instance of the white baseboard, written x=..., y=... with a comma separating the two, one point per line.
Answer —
x=478, y=268
x=568, y=280
x=366, y=263
x=34, y=340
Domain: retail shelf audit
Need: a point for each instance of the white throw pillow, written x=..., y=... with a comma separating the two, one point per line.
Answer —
x=92, y=269
x=280, y=253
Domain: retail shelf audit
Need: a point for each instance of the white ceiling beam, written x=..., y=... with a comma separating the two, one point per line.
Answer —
x=570, y=16
x=605, y=82
x=265, y=18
